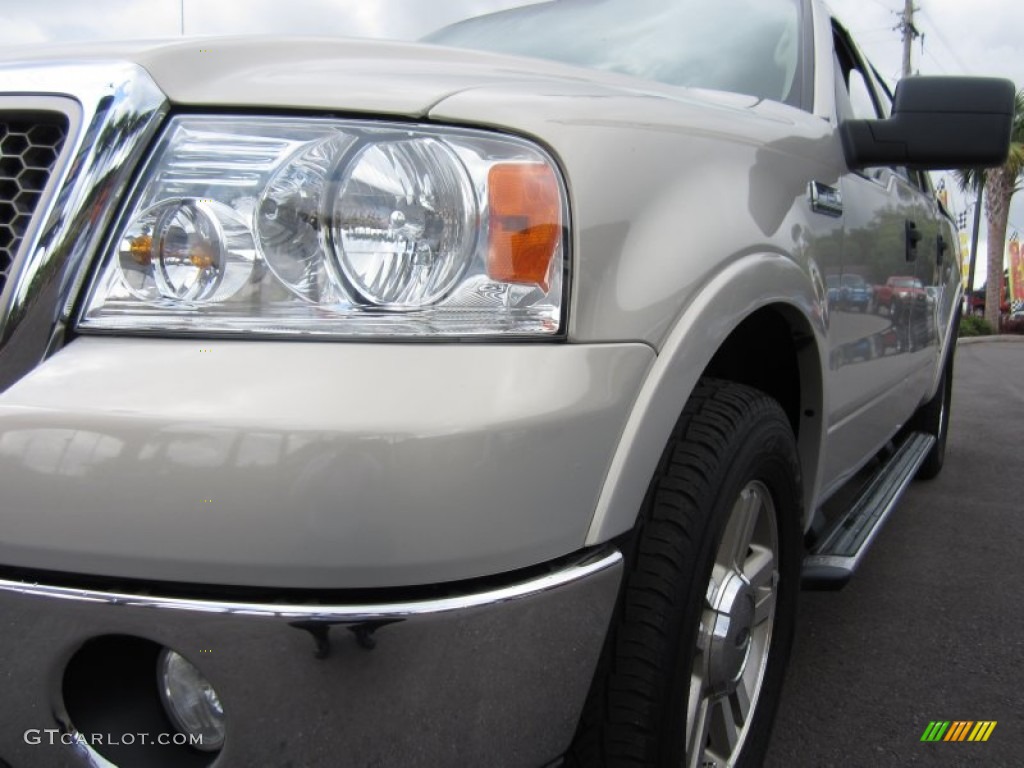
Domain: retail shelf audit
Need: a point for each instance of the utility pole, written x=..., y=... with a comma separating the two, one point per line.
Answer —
x=910, y=33
x=974, y=238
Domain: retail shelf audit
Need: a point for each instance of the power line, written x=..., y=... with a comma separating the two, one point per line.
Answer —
x=938, y=63
x=942, y=39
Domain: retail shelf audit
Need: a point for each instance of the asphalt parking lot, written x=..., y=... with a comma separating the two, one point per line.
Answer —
x=932, y=627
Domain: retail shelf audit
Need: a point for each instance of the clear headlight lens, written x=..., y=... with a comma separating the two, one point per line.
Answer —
x=337, y=227
x=405, y=222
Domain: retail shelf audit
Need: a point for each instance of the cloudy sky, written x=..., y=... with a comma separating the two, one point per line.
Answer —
x=980, y=37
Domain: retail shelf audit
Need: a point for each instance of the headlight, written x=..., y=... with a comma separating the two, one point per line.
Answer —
x=337, y=227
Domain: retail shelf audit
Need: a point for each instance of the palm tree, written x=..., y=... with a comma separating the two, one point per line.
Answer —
x=999, y=185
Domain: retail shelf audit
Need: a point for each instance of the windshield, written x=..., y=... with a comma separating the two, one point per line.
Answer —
x=744, y=46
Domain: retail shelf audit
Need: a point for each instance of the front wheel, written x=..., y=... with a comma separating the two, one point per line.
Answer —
x=695, y=657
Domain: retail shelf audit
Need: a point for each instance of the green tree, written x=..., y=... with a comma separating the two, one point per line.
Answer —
x=999, y=184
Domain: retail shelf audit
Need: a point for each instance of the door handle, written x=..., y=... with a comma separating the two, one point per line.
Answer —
x=941, y=246
x=913, y=238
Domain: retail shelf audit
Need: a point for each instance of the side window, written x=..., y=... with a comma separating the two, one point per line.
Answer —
x=884, y=94
x=853, y=94
x=860, y=96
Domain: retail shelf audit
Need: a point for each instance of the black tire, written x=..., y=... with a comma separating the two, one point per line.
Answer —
x=933, y=418
x=731, y=444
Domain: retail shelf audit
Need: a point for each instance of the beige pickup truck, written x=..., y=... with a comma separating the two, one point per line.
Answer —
x=470, y=401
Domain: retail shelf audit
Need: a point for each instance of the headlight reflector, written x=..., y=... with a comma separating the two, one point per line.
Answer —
x=337, y=227
x=288, y=221
x=186, y=250
x=405, y=222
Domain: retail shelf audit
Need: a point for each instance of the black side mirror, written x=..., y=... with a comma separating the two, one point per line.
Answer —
x=937, y=123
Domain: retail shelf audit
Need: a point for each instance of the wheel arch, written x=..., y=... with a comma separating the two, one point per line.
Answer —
x=762, y=308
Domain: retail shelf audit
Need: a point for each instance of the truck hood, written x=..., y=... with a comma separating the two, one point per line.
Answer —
x=341, y=75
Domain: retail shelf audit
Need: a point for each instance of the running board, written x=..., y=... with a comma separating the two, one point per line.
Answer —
x=833, y=560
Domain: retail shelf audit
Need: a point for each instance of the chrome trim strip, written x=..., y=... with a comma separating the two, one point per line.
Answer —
x=333, y=613
x=119, y=110
x=89, y=756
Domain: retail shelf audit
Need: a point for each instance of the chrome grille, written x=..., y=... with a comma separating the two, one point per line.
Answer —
x=109, y=112
x=29, y=146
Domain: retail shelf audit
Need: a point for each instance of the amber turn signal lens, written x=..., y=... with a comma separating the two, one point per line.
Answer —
x=526, y=222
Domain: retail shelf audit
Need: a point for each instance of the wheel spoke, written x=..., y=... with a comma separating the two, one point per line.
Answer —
x=760, y=567
x=724, y=733
x=763, y=607
x=698, y=701
x=699, y=721
x=739, y=701
x=739, y=531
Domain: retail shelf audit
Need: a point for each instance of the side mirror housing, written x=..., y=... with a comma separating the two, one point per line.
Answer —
x=937, y=123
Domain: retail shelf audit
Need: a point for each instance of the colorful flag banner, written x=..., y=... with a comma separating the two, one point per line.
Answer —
x=1015, y=262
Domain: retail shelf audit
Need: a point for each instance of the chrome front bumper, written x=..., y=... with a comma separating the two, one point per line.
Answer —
x=494, y=677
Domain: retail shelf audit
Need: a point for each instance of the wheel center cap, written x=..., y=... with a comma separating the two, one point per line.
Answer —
x=730, y=633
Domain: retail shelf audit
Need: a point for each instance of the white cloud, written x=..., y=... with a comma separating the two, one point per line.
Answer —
x=74, y=20
x=22, y=32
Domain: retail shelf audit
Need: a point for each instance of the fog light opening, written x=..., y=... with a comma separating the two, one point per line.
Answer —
x=112, y=699
x=190, y=701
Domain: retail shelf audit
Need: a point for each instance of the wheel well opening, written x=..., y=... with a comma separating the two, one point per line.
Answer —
x=763, y=353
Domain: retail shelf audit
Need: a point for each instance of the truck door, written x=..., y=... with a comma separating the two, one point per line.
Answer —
x=936, y=263
x=940, y=272
x=885, y=232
